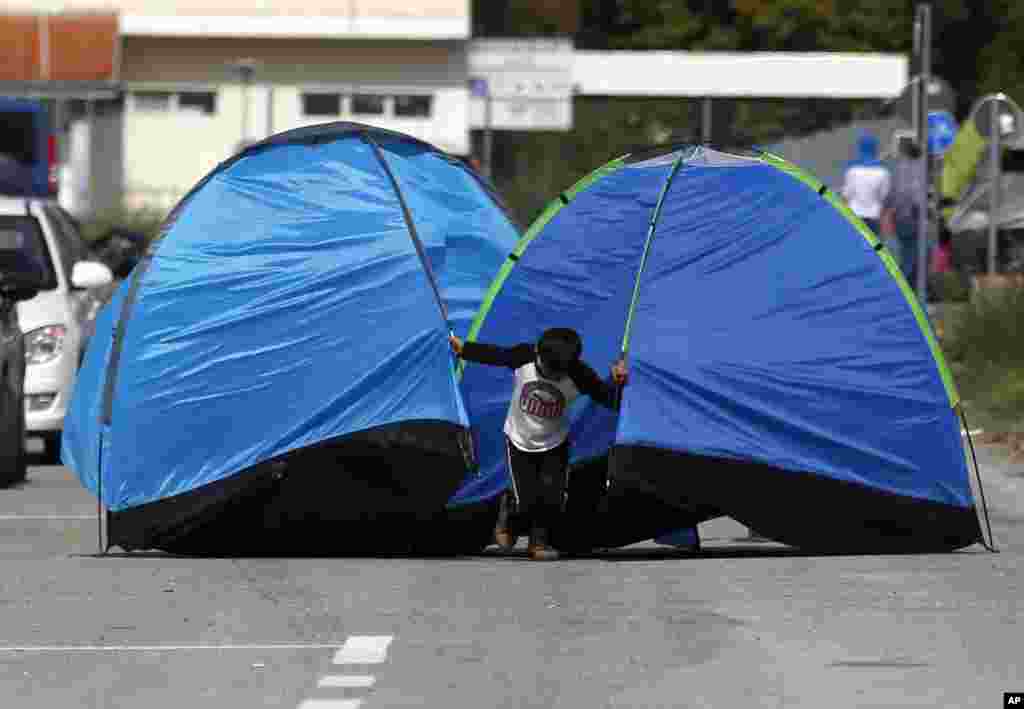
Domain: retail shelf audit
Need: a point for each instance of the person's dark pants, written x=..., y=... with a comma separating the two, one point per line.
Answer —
x=538, y=484
x=906, y=233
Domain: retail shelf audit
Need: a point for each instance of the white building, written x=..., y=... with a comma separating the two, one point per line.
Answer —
x=201, y=76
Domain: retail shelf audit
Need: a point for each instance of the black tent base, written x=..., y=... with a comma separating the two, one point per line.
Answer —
x=375, y=491
x=385, y=492
x=811, y=512
x=602, y=516
x=599, y=516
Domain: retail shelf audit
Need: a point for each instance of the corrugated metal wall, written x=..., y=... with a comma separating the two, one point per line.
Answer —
x=59, y=47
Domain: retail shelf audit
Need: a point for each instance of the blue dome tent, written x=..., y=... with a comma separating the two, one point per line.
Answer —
x=277, y=365
x=782, y=371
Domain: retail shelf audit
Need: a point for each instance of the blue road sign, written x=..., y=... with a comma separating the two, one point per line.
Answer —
x=942, y=130
x=478, y=87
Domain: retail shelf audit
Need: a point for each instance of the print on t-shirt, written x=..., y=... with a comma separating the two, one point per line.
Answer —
x=541, y=399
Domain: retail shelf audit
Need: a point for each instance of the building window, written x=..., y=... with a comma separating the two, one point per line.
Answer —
x=413, y=106
x=152, y=101
x=321, y=104
x=205, y=102
x=367, y=105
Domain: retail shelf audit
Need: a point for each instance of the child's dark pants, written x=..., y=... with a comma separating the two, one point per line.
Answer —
x=538, y=484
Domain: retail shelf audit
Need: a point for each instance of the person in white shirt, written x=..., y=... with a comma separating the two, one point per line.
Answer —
x=548, y=378
x=866, y=183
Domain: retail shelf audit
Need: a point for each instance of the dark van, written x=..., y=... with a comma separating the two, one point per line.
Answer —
x=23, y=273
x=28, y=159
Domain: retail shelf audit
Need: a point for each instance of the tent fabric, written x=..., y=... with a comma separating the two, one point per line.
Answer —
x=770, y=328
x=286, y=304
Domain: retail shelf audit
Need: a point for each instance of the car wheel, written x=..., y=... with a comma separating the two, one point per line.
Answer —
x=51, y=448
x=12, y=441
x=21, y=457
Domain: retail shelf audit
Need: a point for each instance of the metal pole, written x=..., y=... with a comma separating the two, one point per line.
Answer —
x=995, y=155
x=924, y=216
x=270, y=109
x=488, y=134
x=705, y=121
x=90, y=114
x=245, y=104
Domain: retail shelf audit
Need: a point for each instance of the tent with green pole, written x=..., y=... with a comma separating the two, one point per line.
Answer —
x=782, y=371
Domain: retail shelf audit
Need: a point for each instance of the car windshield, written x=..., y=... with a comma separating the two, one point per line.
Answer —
x=25, y=231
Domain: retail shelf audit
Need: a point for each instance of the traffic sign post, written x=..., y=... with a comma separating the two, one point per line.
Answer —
x=479, y=88
x=527, y=82
x=923, y=48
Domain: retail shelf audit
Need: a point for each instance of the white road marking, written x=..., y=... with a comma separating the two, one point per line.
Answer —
x=331, y=704
x=346, y=681
x=15, y=518
x=363, y=650
x=166, y=648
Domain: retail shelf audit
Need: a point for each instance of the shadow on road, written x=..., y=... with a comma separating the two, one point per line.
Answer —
x=629, y=554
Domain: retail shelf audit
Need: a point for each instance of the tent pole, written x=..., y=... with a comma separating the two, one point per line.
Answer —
x=99, y=495
x=624, y=350
x=991, y=544
x=410, y=225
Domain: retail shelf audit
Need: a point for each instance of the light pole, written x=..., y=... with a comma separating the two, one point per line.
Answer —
x=246, y=69
x=996, y=116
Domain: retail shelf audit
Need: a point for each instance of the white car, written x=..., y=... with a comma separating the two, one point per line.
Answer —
x=58, y=321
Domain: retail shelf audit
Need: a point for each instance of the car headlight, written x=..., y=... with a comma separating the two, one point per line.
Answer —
x=45, y=344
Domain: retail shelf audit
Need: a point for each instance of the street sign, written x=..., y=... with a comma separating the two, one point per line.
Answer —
x=942, y=130
x=528, y=83
x=478, y=88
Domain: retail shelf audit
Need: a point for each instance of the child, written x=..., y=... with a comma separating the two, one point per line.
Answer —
x=548, y=377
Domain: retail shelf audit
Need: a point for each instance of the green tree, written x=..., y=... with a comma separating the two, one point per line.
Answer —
x=1001, y=62
x=976, y=47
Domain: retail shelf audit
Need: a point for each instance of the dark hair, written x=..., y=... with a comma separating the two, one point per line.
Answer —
x=910, y=149
x=559, y=347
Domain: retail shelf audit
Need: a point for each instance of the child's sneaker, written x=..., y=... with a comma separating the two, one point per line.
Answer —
x=542, y=552
x=505, y=539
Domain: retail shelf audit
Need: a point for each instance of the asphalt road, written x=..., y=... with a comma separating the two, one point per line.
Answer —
x=740, y=625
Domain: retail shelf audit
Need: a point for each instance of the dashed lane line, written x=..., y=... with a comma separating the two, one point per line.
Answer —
x=346, y=681
x=358, y=650
x=168, y=648
x=363, y=650
x=44, y=518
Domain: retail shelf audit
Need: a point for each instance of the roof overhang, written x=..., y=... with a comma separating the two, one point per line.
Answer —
x=297, y=26
x=85, y=90
x=736, y=75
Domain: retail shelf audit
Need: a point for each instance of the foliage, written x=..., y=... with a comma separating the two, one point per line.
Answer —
x=986, y=344
x=146, y=221
x=949, y=287
x=976, y=48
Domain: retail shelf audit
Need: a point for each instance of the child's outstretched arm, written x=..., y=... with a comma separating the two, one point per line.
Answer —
x=511, y=357
x=603, y=392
